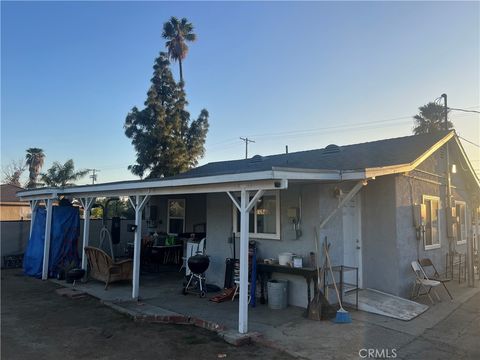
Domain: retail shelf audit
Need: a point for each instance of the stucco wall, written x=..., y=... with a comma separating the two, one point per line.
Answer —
x=379, y=235
x=411, y=190
x=410, y=248
x=317, y=201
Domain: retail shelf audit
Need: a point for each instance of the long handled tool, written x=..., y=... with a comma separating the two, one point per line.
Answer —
x=318, y=307
x=343, y=315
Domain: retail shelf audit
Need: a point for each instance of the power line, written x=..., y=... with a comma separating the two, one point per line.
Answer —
x=468, y=141
x=469, y=111
x=335, y=127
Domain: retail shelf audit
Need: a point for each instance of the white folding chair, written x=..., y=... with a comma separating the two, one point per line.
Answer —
x=423, y=282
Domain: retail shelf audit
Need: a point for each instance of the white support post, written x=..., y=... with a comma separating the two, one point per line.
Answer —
x=87, y=204
x=243, y=296
x=33, y=207
x=244, y=208
x=138, y=205
x=46, y=246
x=235, y=202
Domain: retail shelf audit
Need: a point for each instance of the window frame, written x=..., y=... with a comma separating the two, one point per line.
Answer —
x=438, y=245
x=460, y=202
x=176, y=217
x=255, y=234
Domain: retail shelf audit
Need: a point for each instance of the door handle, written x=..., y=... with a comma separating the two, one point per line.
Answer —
x=358, y=247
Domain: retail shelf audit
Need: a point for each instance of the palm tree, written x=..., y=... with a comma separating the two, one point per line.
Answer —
x=62, y=175
x=35, y=158
x=178, y=32
x=431, y=118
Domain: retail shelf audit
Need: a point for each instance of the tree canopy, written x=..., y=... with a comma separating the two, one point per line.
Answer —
x=166, y=140
x=62, y=175
x=431, y=118
x=35, y=158
x=178, y=33
x=12, y=172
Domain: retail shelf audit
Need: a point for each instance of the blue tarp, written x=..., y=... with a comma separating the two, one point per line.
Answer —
x=63, y=241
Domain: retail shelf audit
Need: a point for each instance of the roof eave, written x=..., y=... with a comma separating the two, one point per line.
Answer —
x=263, y=179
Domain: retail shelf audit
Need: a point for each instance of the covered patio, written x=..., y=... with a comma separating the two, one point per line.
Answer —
x=249, y=186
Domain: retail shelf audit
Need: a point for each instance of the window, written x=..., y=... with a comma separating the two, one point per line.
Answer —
x=431, y=220
x=462, y=222
x=176, y=216
x=264, y=218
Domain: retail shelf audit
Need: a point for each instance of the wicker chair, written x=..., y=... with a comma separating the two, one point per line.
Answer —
x=103, y=268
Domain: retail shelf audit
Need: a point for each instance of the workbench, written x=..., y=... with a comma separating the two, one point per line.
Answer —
x=265, y=271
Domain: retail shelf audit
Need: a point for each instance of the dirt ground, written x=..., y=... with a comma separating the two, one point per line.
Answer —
x=36, y=323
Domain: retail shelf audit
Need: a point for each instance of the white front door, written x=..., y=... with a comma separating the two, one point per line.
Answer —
x=352, y=239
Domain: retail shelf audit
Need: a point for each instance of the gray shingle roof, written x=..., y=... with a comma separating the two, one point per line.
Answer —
x=386, y=152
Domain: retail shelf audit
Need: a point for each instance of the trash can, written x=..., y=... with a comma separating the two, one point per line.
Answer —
x=277, y=291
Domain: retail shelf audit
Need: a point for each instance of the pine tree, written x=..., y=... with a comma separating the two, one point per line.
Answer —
x=166, y=141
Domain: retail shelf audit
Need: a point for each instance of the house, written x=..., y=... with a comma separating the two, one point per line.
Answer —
x=11, y=208
x=399, y=200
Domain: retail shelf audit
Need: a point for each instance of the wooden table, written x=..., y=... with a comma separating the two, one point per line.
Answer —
x=264, y=271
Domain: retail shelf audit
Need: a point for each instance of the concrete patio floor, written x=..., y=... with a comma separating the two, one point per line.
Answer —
x=287, y=329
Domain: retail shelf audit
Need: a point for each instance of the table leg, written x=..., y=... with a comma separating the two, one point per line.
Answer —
x=262, y=288
x=308, y=290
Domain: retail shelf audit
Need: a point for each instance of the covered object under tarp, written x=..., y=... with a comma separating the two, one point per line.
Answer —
x=63, y=241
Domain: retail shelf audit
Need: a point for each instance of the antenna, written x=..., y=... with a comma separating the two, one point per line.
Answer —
x=247, y=140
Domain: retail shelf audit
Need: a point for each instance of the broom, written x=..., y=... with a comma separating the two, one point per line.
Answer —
x=318, y=308
x=343, y=316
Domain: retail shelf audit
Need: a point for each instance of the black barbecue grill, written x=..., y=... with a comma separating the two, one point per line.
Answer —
x=197, y=264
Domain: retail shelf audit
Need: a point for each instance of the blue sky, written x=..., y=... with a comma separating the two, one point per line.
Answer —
x=282, y=73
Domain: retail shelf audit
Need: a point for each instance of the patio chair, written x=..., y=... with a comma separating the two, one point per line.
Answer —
x=103, y=268
x=199, y=249
x=431, y=272
x=423, y=282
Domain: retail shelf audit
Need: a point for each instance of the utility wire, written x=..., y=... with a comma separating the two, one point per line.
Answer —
x=334, y=127
x=468, y=141
x=469, y=111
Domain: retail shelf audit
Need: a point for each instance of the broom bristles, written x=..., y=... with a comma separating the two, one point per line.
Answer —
x=343, y=317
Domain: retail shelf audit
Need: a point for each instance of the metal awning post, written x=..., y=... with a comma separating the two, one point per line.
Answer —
x=33, y=206
x=138, y=205
x=244, y=207
x=46, y=245
x=87, y=204
x=243, y=296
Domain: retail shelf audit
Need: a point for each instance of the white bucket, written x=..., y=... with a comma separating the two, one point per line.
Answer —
x=285, y=258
